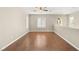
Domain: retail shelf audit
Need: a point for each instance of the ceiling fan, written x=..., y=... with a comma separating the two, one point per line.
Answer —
x=45, y=9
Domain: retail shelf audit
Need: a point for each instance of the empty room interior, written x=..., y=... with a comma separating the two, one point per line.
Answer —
x=39, y=28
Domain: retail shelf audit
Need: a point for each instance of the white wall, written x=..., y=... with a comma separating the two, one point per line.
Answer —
x=12, y=25
x=71, y=35
x=50, y=20
x=64, y=20
x=75, y=21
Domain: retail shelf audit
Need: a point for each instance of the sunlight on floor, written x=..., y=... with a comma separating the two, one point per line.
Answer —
x=40, y=41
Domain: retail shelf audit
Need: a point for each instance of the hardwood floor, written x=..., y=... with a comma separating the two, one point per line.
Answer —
x=40, y=41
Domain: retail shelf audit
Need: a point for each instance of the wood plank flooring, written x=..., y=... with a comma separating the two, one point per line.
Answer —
x=40, y=41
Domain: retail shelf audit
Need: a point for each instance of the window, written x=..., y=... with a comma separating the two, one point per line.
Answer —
x=59, y=21
x=71, y=19
x=41, y=23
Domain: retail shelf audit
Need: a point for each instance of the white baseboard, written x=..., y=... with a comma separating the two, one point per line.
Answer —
x=68, y=42
x=41, y=31
x=12, y=41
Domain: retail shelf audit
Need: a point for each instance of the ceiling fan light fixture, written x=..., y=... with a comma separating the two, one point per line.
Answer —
x=41, y=9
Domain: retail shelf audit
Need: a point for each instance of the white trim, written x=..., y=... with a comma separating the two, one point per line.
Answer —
x=41, y=31
x=12, y=42
x=68, y=42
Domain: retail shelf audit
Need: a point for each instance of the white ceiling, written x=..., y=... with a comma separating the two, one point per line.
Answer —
x=52, y=10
